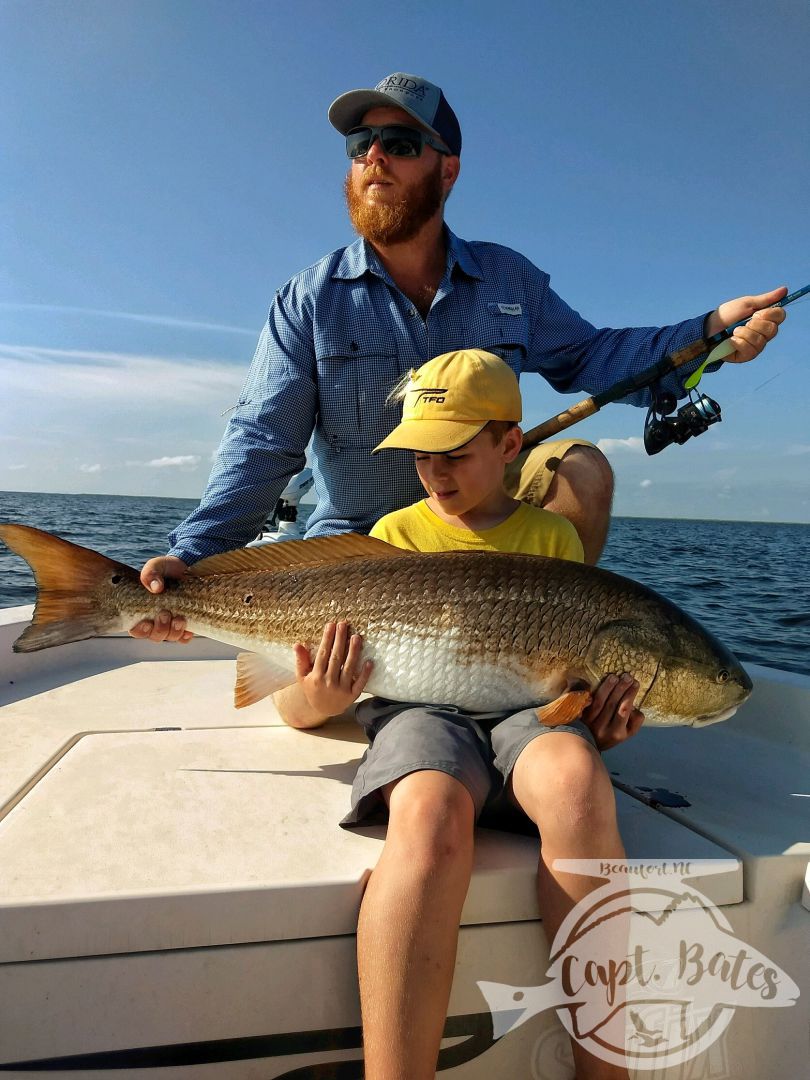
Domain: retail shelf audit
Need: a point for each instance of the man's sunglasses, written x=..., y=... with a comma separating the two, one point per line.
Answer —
x=396, y=140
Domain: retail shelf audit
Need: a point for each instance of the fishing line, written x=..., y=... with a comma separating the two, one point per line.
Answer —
x=747, y=393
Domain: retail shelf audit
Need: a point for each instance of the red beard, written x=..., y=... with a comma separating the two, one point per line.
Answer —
x=398, y=222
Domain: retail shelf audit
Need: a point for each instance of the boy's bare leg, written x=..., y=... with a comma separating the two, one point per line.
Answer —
x=408, y=928
x=561, y=783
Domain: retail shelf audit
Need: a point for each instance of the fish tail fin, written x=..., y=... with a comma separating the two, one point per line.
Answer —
x=68, y=580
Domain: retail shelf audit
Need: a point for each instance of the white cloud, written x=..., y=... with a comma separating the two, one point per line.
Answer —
x=181, y=461
x=724, y=475
x=797, y=449
x=15, y=468
x=90, y=468
x=645, y=483
x=107, y=379
x=634, y=445
x=185, y=462
x=25, y=438
x=153, y=320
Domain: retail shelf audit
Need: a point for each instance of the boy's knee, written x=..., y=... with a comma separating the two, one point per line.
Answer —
x=566, y=785
x=431, y=815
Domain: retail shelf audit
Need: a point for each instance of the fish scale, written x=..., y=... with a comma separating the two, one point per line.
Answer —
x=482, y=631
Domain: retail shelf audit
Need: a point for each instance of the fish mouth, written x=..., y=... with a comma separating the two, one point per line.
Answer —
x=714, y=718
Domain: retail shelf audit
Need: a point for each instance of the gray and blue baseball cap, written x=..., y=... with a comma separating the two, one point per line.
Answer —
x=422, y=100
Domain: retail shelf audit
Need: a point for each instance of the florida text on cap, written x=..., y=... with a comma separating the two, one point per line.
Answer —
x=422, y=100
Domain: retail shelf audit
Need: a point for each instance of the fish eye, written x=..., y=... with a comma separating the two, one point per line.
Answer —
x=115, y=579
x=723, y=676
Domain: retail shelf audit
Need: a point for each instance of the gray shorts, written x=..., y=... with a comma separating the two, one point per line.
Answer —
x=479, y=749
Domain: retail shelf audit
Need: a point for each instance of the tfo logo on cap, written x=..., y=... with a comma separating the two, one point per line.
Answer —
x=432, y=395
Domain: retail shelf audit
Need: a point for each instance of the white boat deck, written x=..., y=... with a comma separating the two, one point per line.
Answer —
x=140, y=813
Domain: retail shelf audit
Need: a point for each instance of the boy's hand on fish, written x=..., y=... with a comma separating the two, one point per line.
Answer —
x=165, y=627
x=612, y=716
x=335, y=677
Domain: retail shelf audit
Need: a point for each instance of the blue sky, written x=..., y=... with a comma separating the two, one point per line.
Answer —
x=168, y=164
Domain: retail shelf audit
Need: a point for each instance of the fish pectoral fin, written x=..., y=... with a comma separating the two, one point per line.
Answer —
x=256, y=677
x=570, y=706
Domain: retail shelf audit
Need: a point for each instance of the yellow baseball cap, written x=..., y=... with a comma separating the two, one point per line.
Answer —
x=451, y=398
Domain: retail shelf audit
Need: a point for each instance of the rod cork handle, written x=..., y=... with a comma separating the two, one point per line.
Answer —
x=560, y=422
x=692, y=352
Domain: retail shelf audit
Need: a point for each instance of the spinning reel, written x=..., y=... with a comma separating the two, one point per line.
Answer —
x=661, y=429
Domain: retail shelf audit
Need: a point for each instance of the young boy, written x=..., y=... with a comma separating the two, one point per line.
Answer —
x=460, y=417
x=433, y=769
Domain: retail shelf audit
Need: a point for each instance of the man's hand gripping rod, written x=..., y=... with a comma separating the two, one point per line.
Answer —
x=696, y=351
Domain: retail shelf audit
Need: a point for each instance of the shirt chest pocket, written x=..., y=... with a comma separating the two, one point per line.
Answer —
x=355, y=378
x=506, y=335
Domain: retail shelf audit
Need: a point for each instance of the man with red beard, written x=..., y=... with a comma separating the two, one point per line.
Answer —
x=339, y=336
x=343, y=332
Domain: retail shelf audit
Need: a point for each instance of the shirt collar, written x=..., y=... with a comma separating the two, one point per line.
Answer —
x=353, y=263
x=459, y=253
x=359, y=258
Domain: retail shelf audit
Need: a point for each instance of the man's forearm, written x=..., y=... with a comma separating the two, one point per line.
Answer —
x=599, y=358
x=242, y=491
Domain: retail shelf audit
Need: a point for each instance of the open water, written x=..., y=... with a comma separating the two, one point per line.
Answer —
x=748, y=582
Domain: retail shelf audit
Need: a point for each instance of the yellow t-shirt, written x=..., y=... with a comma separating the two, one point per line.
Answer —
x=529, y=529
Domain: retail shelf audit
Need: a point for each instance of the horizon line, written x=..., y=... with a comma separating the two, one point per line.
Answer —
x=305, y=502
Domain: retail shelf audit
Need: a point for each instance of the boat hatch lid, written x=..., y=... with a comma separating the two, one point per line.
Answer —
x=152, y=840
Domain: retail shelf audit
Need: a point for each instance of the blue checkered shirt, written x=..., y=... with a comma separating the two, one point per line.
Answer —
x=338, y=337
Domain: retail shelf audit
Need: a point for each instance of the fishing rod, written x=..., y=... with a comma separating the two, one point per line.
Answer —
x=661, y=429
